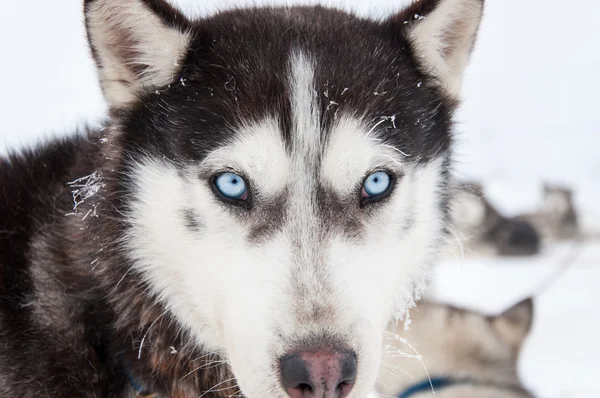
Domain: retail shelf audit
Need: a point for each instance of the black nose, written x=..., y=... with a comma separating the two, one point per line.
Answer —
x=319, y=374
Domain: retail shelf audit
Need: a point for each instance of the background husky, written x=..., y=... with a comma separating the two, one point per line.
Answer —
x=483, y=229
x=557, y=217
x=266, y=195
x=467, y=354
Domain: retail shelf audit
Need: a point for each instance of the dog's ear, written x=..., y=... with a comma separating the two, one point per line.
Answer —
x=137, y=45
x=514, y=324
x=442, y=34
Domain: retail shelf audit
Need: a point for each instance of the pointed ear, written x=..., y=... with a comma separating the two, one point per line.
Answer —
x=137, y=45
x=514, y=324
x=442, y=34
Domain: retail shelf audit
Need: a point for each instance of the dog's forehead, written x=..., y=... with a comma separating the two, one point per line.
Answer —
x=309, y=155
x=258, y=152
x=291, y=84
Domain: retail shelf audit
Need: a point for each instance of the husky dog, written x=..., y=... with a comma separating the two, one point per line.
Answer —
x=268, y=192
x=466, y=354
x=557, y=217
x=483, y=229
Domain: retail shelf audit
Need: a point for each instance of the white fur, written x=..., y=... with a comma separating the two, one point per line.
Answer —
x=305, y=108
x=157, y=47
x=306, y=139
x=444, y=39
x=259, y=153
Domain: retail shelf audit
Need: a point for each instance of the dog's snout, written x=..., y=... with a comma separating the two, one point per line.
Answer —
x=319, y=374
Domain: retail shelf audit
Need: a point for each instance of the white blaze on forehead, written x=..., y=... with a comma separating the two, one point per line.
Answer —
x=353, y=151
x=306, y=135
x=304, y=225
x=259, y=153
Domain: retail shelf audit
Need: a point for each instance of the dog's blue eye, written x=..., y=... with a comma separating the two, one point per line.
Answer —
x=231, y=186
x=376, y=184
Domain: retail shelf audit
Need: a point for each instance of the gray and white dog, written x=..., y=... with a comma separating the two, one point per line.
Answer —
x=464, y=354
x=266, y=195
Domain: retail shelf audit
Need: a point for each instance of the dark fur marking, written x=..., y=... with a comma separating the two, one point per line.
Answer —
x=192, y=221
x=409, y=223
x=339, y=215
x=268, y=219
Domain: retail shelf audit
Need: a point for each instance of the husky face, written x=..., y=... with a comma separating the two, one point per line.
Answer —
x=557, y=199
x=283, y=171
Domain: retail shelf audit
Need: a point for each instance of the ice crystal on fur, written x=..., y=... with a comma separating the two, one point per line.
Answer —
x=85, y=188
x=407, y=320
x=390, y=118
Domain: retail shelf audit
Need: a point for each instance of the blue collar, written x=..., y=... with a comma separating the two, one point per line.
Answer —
x=140, y=390
x=433, y=384
x=438, y=383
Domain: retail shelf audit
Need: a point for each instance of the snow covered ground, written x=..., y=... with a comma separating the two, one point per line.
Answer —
x=529, y=114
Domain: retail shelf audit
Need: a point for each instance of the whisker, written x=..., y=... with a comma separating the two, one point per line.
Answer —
x=390, y=373
x=147, y=331
x=398, y=368
x=391, y=158
x=204, y=356
x=120, y=280
x=395, y=149
x=235, y=394
x=206, y=365
x=403, y=354
x=460, y=244
x=375, y=126
x=212, y=389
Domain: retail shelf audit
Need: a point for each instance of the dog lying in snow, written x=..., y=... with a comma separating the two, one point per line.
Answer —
x=458, y=353
x=557, y=218
x=482, y=229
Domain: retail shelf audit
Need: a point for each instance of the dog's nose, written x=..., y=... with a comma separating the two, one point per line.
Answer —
x=319, y=374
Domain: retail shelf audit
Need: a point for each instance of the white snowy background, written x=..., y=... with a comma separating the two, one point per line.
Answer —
x=530, y=114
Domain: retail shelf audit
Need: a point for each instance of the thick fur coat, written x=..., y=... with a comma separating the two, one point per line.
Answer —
x=124, y=268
